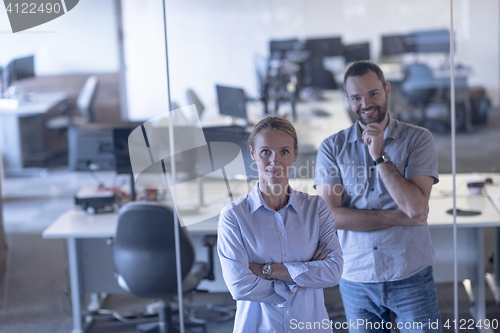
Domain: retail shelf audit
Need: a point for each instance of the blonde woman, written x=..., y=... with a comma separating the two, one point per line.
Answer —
x=278, y=247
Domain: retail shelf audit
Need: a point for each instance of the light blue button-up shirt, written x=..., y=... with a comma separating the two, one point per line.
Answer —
x=343, y=161
x=249, y=231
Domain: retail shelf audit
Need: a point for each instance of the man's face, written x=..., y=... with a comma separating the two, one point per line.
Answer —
x=368, y=97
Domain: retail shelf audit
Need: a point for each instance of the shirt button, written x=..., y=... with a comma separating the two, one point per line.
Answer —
x=375, y=247
x=373, y=189
x=287, y=312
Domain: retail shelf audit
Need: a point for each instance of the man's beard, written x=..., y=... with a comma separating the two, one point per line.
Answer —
x=381, y=112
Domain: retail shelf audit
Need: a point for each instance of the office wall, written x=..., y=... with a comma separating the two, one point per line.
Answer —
x=83, y=40
x=145, y=59
x=479, y=45
x=216, y=41
x=3, y=246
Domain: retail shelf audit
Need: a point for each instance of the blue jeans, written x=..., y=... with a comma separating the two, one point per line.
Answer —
x=413, y=301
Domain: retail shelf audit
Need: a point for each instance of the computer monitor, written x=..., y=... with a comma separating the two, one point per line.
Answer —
x=314, y=75
x=237, y=135
x=278, y=47
x=394, y=45
x=100, y=147
x=356, y=52
x=426, y=41
x=429, y=41
x=121, y=153
x=232, y=101
x=324, y=47
x=90, y=148
x=18, y=69
x=120, y=150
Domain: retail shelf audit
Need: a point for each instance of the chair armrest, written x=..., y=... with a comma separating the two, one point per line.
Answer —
x=67, y=108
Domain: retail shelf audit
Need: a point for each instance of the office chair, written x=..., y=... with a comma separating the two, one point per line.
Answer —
x=419, y=87
x=193, y=99
x=418, y=84
x=144, y=255
x=84, y=103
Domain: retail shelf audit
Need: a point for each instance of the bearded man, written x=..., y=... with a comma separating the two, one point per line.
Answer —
x=377, y=177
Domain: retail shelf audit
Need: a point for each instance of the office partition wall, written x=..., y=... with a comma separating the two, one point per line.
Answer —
x=3, y=246
x=203, y=51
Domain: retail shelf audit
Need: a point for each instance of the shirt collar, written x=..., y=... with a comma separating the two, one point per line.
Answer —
x=256, y=200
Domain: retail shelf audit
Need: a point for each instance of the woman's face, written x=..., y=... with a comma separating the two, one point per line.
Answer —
x=273, y=152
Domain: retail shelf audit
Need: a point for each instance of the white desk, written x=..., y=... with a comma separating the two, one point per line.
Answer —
x=470, y=234
x=90, y=254
x=87, y=235
x=91, y=258
x=22, y=128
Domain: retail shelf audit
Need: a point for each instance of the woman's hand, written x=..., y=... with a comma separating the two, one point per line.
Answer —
x=321, y=253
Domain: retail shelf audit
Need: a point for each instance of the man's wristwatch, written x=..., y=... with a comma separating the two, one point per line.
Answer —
x=266, y=271
x=384, y=158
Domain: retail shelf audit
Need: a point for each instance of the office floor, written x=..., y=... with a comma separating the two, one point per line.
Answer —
x=34, y=289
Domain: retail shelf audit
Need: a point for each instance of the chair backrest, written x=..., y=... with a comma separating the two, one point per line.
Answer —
x=144, y=250
x=86, y=98
x=419, y=84
x=193, y=99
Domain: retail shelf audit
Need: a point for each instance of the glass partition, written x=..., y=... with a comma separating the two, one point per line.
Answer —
x=264, y=48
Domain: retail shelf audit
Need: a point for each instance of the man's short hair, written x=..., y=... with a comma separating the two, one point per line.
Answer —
x=360, y=68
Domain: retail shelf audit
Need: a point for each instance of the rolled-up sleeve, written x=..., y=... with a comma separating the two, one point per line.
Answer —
x=321, y=273
x=240, y=280
x=422, y=144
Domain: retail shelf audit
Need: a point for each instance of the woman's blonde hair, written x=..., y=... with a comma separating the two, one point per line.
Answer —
x=273, y=123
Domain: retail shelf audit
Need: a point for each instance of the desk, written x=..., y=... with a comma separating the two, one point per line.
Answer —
x=22, y=128
x=470, y=234
x=470, y=231
x=87, y=236
x=91, y=256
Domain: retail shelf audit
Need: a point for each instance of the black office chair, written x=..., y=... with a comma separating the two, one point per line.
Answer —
x=144, y=255
x=84, y=103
